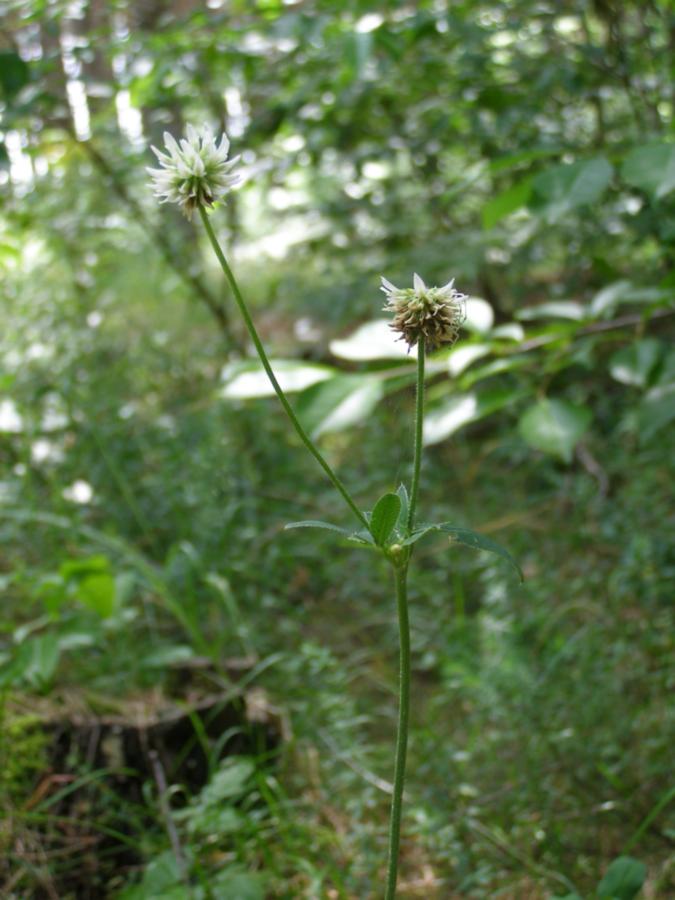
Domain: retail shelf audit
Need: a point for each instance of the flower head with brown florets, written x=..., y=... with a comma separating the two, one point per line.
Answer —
x=432, y=313
x=195, y=172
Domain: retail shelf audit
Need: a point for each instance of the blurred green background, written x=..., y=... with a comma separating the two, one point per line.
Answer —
x=525, y=149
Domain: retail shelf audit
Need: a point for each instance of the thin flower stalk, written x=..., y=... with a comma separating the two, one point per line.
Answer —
x=195, y=174
x=253, y=333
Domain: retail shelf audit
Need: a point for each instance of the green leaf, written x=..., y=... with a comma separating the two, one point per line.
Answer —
x=384, y=517
x=460, y=358
x=564, y=188
x=362, y=537
x=656, y=410
x=556, y=309
x=81, y=568
x=338, y=403
x=246, y=380
x=402, y=492
x=651, y=168
x=480, y=542
x=91, y=582
x=636, y=363
x=508, y=201
x=467, y=537
x=445, y=419
x=418, y=534
x=233, y=884
x=34, y=663
x=554, y=426
x=162, y=878
x=623, y=879
x=229, y=782
x=619, y=293
x=98, y=593
x=316, y=523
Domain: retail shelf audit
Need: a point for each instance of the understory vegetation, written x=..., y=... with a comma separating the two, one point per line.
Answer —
x=197, y=703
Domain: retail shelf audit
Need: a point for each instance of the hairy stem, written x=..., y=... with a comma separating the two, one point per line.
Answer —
x=419, y=422
x=402, y=735
x=248, y=321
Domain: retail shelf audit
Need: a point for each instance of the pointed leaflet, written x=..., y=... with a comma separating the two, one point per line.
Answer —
x=403, y=514
x=384, y=517
x=469, y=539
x=312, y=523
x=480, y=542
x=359, y=537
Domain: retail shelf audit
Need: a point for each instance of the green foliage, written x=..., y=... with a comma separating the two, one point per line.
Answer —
x=623, y=880
x=23, y=756
x=555, y=426
x=384, y=517
x=468, y=538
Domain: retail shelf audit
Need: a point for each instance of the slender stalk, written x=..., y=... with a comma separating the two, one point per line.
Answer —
x=302, y=434
x=402, y=734
x=419, y=422
x=404, y=642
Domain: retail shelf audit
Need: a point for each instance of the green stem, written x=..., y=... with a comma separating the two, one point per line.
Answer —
x=419, y=422
x=302, y=434
x=402, y=734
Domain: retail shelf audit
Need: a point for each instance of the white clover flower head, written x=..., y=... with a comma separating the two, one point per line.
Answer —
x=433, y=313
x=195, y=172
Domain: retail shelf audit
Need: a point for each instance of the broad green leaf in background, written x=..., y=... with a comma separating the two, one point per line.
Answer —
x=161, y=879
x=606, y=301
x=34, y=662
x=555, y=426
x=510, y=331
x=651, y=168
x=230, y=781
x=462, y=356
x=495, y=367
x=556, y=309
x=566, y=187
x=247, y=379
x=508, y=201
x=98, y=593
x=90, y=581
x=656, y=410
x=338, y=403
x=446, y=418
x=384, y=517
x=623, y=880
x=636, y=363
x=234, y=884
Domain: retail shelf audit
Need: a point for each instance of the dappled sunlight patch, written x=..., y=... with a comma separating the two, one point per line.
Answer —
x=80, y=491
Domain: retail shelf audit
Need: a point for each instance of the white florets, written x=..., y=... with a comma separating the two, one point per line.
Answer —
x=432, y=313
x=194, y=172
